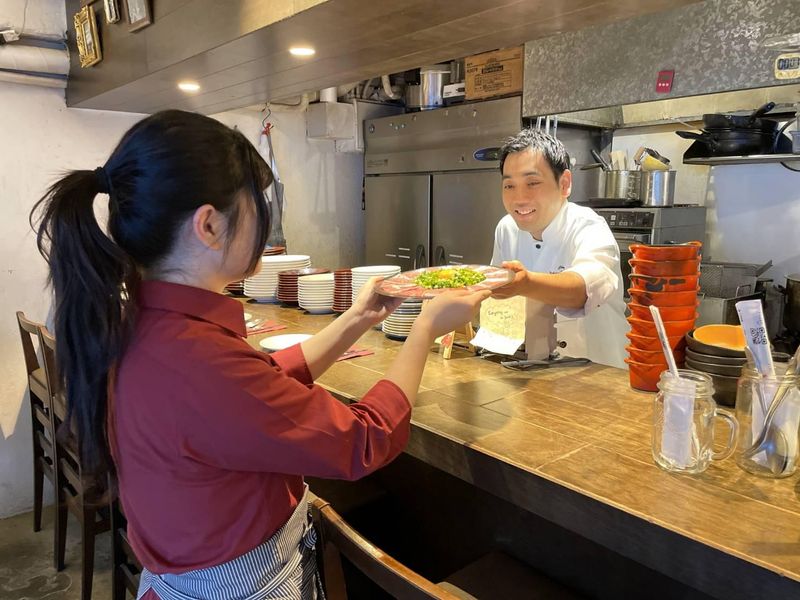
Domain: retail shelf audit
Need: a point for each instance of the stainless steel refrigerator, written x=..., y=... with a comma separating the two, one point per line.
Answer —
x=433, y=191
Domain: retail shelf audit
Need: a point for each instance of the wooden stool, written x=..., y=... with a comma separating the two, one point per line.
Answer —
x=75, y=491
x=126, y=568
x=43, y=431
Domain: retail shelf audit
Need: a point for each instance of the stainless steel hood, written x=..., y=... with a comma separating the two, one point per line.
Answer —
x=460, y=138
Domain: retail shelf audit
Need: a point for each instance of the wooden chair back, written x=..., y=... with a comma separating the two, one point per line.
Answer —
x=338, y=539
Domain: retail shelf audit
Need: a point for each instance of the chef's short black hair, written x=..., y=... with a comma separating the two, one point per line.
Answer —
x=552, y=149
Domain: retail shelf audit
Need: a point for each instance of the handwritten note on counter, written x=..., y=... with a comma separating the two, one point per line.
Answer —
x=502, y=325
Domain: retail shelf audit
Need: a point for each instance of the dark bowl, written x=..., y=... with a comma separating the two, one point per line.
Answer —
x=724, y=388
x=728, y=360
x=714, y=369
x=702, y=348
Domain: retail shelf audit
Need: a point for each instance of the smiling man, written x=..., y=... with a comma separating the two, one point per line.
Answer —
x=565, y=257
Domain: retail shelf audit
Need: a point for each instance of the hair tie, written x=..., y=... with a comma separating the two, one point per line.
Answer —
x=103, y=181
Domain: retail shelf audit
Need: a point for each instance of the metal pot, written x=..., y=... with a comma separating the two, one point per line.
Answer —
x=432, y=79
x=657, y=188
x=413, y=96
x=791, y=312
x=622, y=184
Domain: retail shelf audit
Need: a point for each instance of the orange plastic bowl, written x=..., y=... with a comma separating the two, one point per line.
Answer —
x=687, y=251
x=678, y=283
x=663, y=298
x=643, y=376
x=668, y=313
x=648, y=328
x=652, y=343
x=653, y=357
x=664, y=268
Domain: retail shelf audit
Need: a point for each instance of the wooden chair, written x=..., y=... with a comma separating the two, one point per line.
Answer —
x=126, y=568
x=493, y=576
x=39, y=399
x=337, y=538
x=75, y=492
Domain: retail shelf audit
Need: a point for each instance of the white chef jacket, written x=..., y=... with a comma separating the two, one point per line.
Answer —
x=577, y=240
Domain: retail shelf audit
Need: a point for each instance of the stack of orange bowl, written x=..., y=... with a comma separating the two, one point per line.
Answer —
x=667, y=277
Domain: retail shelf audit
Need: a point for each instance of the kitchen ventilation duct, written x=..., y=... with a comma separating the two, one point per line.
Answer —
x=33, y=65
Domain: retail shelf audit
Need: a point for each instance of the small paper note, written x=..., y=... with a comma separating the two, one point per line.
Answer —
x=502, y=325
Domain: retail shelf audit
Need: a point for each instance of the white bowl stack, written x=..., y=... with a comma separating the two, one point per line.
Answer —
x=263, y=285
x=363, y=274
x=398, y=324
x=315, y=293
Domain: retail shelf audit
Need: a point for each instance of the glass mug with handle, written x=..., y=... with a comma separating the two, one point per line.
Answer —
x=683, y=424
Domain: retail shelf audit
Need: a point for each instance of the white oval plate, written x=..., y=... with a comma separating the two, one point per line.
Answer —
x=280, y=342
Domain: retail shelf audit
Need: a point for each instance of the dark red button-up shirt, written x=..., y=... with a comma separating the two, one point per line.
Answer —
x=212, y=438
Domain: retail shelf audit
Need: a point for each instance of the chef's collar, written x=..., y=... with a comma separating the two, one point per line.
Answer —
x=553, y=233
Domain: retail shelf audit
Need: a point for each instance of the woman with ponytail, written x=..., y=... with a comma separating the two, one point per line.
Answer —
x=205, y=439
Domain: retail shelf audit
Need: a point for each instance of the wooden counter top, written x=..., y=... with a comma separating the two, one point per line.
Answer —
x=573, y=445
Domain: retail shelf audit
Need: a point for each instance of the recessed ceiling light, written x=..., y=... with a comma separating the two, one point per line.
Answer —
x=302, y=51
x=188, y=86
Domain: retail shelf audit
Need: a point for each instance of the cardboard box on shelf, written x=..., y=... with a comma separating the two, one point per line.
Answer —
x=496, y=73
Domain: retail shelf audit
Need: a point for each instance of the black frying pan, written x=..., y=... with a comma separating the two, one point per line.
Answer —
x=753, y=121
x=733, y=142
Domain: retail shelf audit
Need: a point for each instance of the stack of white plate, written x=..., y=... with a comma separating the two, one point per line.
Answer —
x=315, y=293
x=398, y=324
x=363, y=274
x=263, y=285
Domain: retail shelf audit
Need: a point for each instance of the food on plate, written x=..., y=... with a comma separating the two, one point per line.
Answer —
x=449, y=278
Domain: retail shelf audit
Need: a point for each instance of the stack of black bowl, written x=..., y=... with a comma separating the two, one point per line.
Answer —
x=723, y=365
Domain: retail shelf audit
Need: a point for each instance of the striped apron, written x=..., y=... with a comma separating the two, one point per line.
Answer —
x=284, y=567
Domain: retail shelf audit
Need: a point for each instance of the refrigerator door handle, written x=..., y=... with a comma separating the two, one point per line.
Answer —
x=440, y=257
x=419, y=257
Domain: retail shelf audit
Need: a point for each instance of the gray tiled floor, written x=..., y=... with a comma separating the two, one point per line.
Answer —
x=26, y=561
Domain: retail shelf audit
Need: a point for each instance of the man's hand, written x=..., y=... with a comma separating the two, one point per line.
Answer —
x=519, y=286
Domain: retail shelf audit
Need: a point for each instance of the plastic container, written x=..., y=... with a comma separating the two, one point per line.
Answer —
x=663, y=298
x=664, y=268
x=687, y=251
x=668, y=313
x=677, y=283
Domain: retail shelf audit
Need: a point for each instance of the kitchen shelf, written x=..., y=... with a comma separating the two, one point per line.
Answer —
x=753, y=159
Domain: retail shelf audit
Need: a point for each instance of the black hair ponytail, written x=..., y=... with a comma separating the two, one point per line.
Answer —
x=164, y=168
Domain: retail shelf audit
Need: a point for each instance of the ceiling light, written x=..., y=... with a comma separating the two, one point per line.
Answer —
x=188, y=86
x=302, y=51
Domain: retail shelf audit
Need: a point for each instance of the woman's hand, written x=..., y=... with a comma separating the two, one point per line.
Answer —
x=450, y=310
x=371, y=306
